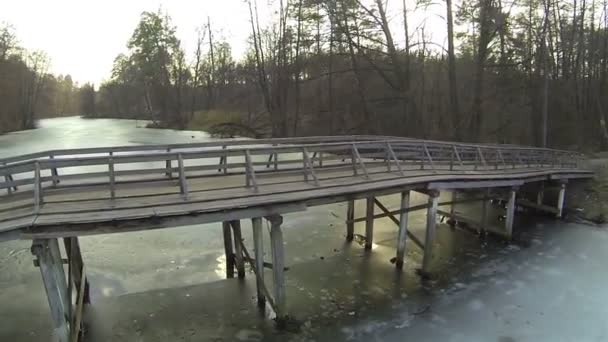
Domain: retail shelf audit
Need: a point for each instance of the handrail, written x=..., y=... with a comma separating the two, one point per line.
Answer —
x=242, y=142
x=421, y=153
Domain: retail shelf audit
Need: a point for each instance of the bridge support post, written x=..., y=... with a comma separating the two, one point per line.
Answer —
x=278, y=267
x=484, y=211
x=350, y=223
x=452, y=216
x=228, y=249
x=369, y=223
x=258, y=246
x=48, y=257
x=431, y=224
x=541, y=193
x=560, y=200
x=238, y=248
x=402, y=235
x=510, y=214
x=76, y=266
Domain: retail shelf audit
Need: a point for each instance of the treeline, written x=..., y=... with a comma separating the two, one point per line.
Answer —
x=511, y=71
x=27, y=90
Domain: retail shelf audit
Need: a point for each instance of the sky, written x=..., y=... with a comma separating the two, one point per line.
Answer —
x=82, y=37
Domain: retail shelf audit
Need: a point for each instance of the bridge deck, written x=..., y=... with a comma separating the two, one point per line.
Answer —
x=67, y=193
x=89, y=191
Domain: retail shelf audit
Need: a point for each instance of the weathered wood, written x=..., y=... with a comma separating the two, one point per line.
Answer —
x=431, y=223
x=238, y=249
x=369, y=223
x=350, y=224
x=74, y=254
x=454, y=195
x=76, y=324
x=510, y=214
x=402, y=234
x=54, y=173
x=168, y=166
x=38, y=197
x=400, y=212
x=112, y=178
x=560, y=200
x=278, y=262
x=484, y=210
x=228, y=250
x=535, y=206
x=250, y=175
x=258, y=246
x=308, y=167
x=183, y=183
x=53, y=276
x=360, y=161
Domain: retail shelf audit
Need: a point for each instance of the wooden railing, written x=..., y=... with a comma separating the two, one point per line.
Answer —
x=256, y=158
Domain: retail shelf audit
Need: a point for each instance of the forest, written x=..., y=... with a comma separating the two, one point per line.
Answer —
x=28, y=91
x=509, y=71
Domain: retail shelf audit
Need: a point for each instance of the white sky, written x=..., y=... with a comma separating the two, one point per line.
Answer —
x=82, y=37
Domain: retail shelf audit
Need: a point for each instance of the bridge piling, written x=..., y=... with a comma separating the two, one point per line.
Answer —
x=560, y=199
x=48, y=257
x=431, y=224
x=278, y=267
x=541, y=193
x=484, y=211
x=76, y=266
x=258, y=247
x=228, y=252
x=369, y=223
x=350, y=223
x=402, y=235
x=510, y=214
x=238, y=248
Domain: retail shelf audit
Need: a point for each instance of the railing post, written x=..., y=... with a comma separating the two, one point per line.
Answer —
x=452, y=159
x=168, y=166
x=112, y=178
x=54, y=173
x=183, y=184
x=250, y=172
x=38, y=196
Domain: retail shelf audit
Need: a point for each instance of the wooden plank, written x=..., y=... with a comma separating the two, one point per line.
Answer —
x=258, y=246
x=560, y=200
x=401, y=211
x=53, y=277
x=369, y=223
x=402, y=234
x=540, y=207
x=238, y=249
x=510, y=214
x=228, y=249
x=350, y=224
x=278, y=262
x=431, y=224
x=183, y=183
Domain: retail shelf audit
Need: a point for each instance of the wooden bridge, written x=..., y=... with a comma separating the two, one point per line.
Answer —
x=64, y=194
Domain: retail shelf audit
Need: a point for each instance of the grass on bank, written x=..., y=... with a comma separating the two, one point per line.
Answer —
x=206, y=120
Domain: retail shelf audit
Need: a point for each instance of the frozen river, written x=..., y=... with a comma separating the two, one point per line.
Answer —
x=168, y=285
